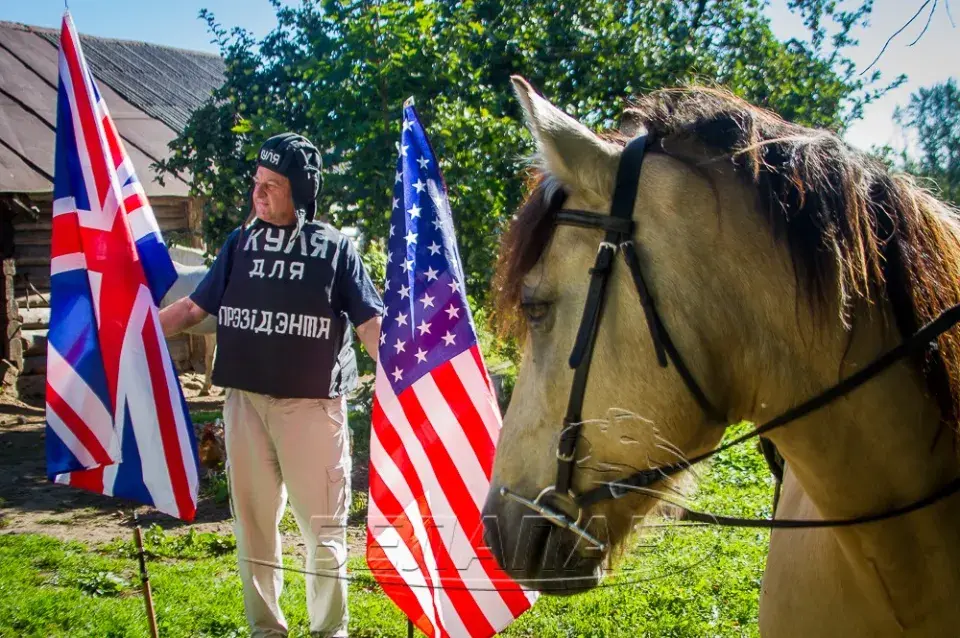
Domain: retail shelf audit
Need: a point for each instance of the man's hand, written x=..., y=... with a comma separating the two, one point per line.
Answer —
x=369, y=334
x=181, y=315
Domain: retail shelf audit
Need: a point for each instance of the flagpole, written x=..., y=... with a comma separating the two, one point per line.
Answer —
x=144, y=577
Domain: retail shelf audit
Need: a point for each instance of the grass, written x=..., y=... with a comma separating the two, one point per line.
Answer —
x=675, y=582
x=205, y=416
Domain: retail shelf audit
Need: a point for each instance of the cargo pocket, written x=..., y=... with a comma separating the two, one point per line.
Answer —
x=337, y=492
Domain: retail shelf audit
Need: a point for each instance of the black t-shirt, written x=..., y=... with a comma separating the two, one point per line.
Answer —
x=285, y=310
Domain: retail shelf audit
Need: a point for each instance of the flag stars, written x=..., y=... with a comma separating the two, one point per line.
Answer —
x=414, y=212
x=419, y=186
x=434, y=248
x=399, y=346
x=383, y=338
x=407, y=124
x=427, y=301
x=397, y=374
x=431, y=273
x=424, y=328
x=399, y=177
x=454, y=286
x=401, y=319
x=396, y=203
x=411, y=237
x=408, y=265
x=421, y=355
x=393, y=229
x=452, y=312
x=423, y=162
x=403, y=149
x=404, y=292
x=449, y=338
x=437, y=224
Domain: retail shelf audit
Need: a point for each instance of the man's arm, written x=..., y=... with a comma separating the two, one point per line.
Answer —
x=369, y=333
x=181, y=315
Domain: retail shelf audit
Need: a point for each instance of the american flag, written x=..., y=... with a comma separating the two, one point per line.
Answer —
x=117, y=421
x=435, y=422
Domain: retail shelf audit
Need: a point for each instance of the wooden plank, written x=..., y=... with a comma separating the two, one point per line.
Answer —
x=179, y=347
x=7, y=274
x=33, y=239
x=35, y=365
x=30, y=251
x=8, y=380
x=40, y=225
x=32, y=274
x=169, y=225
x=195, y=221
x=39, y=278
x=15, y=349
x=34, y=318
x=33, y=385
x=33, y=300
x=34, y=261
x=34, y=342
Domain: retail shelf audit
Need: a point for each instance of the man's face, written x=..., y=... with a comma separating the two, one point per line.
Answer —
x=272, y=197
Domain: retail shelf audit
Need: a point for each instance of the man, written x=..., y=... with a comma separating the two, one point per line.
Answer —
x=286, y=290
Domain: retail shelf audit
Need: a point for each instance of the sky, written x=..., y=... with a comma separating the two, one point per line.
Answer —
x=176, y=23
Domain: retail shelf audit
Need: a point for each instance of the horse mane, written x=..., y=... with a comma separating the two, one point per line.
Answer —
x=853, y=227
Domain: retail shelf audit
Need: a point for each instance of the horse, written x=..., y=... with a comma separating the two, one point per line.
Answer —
x=776, y=260
x=191, y=269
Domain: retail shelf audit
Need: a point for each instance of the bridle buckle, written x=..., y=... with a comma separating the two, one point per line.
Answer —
x=608, y=244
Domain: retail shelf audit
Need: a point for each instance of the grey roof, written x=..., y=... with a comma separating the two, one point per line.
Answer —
x=150, y=90
x=165, y=82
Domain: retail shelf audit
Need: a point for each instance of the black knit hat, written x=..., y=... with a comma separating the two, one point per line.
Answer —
x=294, y=157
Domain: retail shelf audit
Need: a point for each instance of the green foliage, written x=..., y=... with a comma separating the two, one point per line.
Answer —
x=215, y=486
x=338, y=71
x=500, y=354
x=933, y=117
x=101, y=583
x=205, y=416
x=159, y=544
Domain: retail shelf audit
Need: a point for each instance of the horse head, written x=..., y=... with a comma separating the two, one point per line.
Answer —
x=761, y=245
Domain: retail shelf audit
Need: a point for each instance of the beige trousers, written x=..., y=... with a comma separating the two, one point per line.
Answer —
x=301, y=446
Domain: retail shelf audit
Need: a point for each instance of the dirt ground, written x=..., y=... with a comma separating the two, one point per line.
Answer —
x=29, y=503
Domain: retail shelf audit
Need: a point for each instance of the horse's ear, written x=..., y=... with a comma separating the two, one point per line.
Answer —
x=567, y=149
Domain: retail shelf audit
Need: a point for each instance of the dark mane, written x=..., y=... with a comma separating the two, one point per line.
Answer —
x=853, y=228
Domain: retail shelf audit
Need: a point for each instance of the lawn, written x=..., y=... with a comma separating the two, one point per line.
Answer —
x=674, y=582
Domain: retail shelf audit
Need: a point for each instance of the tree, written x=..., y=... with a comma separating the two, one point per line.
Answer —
x=933, y=116
x=339, y=70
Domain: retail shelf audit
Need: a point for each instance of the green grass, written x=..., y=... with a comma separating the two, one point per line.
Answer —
x=674, y=582
x=205, y=416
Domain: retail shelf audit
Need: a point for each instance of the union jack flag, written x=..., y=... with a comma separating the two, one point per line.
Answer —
x=435, y=422
x=117, y=421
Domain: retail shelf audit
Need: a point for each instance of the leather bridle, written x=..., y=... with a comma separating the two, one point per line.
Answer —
x=556, y=502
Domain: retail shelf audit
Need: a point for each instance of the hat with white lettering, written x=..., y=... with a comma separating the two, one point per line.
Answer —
x=294, y=157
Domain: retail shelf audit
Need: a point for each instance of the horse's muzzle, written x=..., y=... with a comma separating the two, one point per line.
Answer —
x=541, y=546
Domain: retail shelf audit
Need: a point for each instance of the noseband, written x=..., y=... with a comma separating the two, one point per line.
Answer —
x=556, y=502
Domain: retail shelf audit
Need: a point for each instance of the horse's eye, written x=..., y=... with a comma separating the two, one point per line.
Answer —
x=536, y=312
